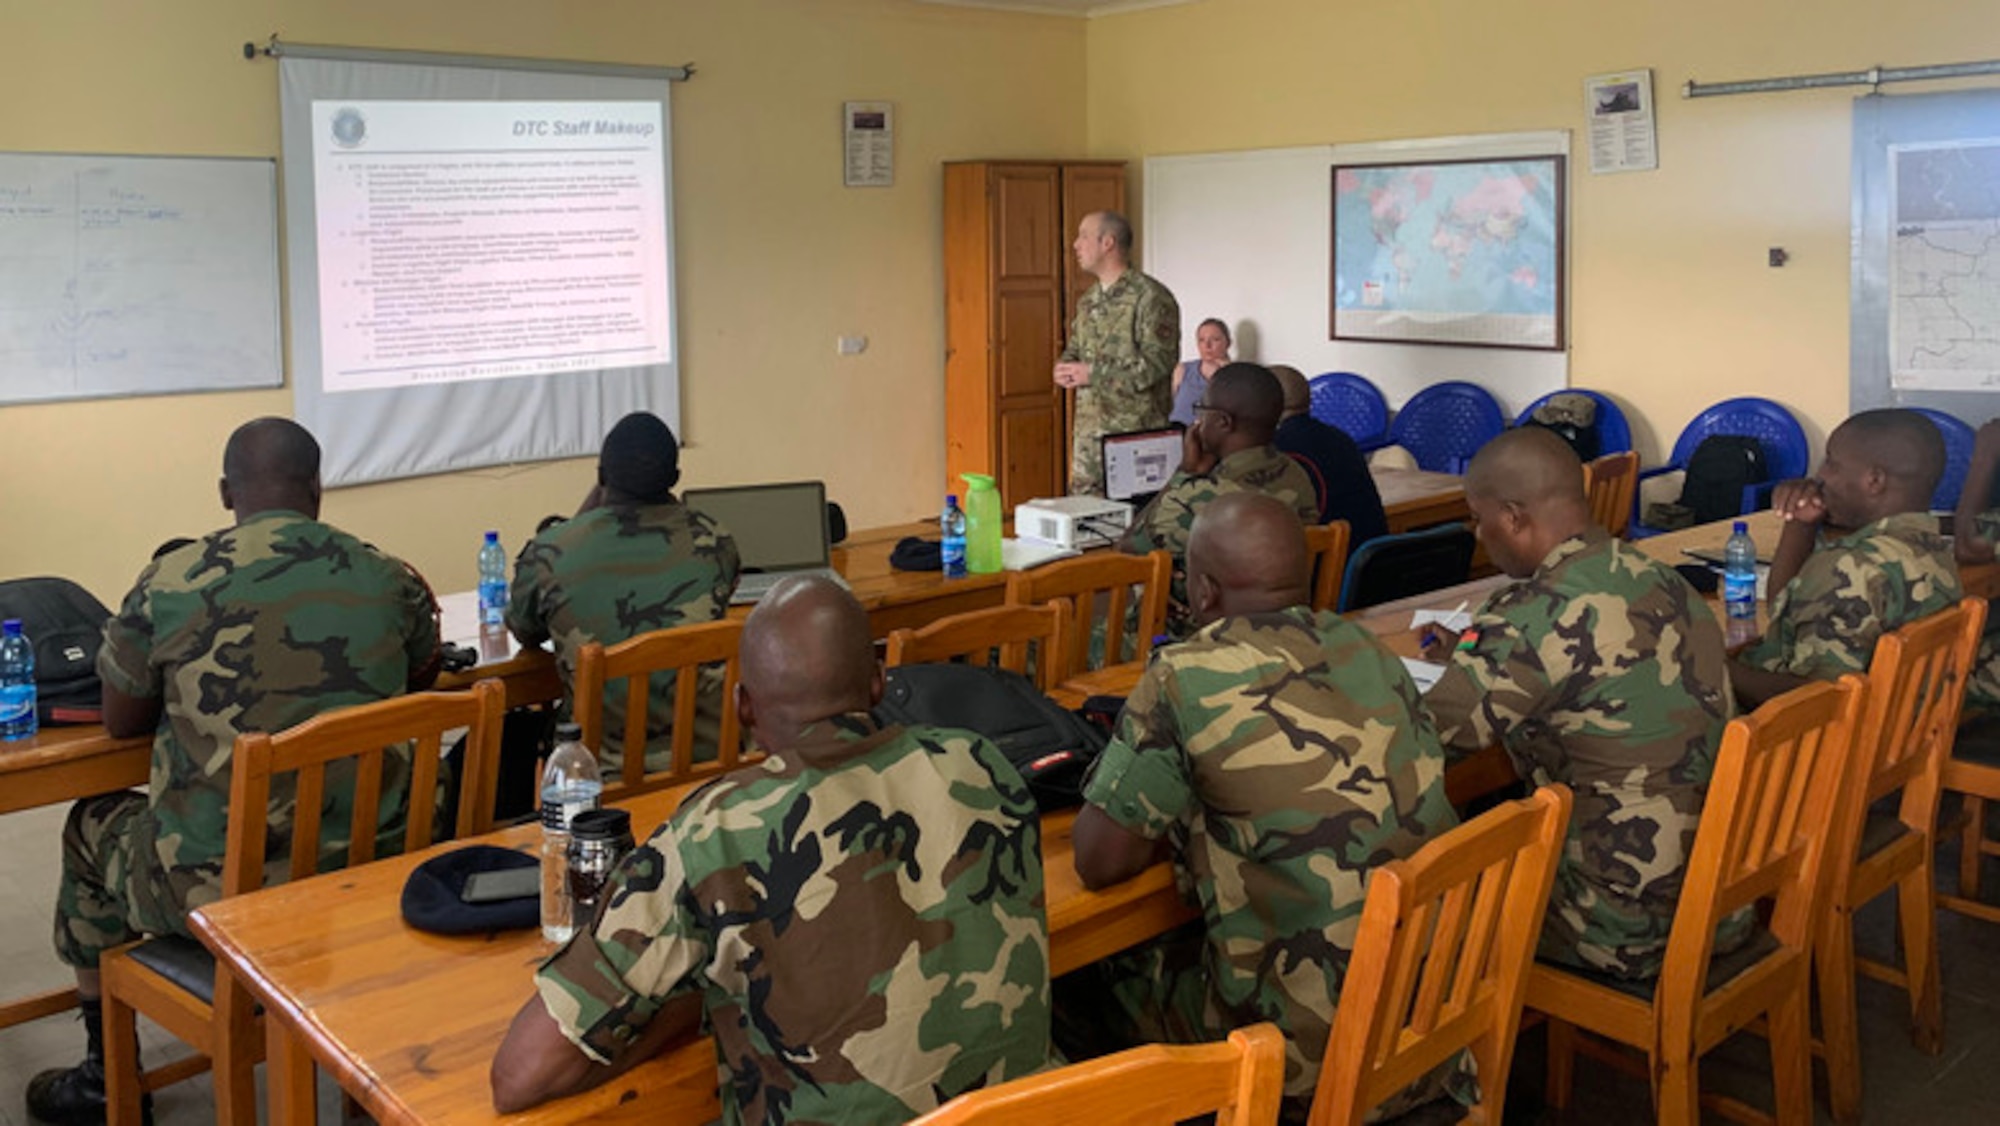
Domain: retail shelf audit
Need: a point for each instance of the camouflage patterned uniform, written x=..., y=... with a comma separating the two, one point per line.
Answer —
x=868, y=936
x=1130, y=335
x=1168, y=519
x=1983, y=689
x=1604, y=671
x=612, y=574
x=1854, y=589
x=254, y=628
x=1283, y=755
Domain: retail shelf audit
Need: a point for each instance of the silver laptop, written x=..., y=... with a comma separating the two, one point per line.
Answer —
x=1137, y=464
x=780, y=530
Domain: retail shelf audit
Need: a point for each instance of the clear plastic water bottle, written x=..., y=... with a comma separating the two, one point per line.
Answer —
x=17, y=682
x=492, y=582
x=951, y=535
x=571, y=785
x=1739, y=573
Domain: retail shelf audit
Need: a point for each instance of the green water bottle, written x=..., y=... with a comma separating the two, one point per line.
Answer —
x=982, y=524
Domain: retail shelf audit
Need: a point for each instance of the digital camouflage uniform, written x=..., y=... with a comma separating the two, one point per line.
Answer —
x=613, y=573
x=1168, y=518
x=1283, y=756
x=1853, y=589
x=1130, y=335
x=254, y=628
x=868, y=936
x=1603, y=671
x=1984, y=687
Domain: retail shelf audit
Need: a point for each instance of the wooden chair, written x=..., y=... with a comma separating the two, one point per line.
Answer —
x=1762, y=837
x=175, y=980
x=1610, y=482
x=1327, y=545
x=1012, y=634
x=1916, y=686
x=1442, y=958
x=682, y=650
x=1973, y=773
x=1240, y=1080
x=1106, y=580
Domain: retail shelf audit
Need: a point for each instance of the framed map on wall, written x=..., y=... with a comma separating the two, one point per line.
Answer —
x=1450, y=252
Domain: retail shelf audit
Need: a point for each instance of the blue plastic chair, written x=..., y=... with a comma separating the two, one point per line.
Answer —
x=1614, y=434
x=1403, y=564
x=1786, y=453
x=1958, y=439
x=1355, y=405
x=1444, y=424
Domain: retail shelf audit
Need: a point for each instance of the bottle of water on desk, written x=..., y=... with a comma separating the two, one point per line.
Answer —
x=492, y=583
x=571, y=785
x=1739, y=573
x=951, y=538
x=17, y=682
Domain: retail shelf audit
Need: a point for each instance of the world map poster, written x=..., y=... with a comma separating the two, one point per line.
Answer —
x=1450, y=252
x=1944, y=277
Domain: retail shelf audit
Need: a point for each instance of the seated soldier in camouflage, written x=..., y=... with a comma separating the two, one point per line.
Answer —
x=860, y=914
x=1278, y=755
x=633, y=560
x=1976, y=530
x=256, y=627
x=1228, y=449
x=1834, y=594
x=1600, y=669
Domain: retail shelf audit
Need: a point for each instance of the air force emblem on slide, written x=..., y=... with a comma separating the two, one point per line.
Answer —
x=349, y=128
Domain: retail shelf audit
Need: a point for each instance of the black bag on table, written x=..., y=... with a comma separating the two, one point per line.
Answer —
x=65, y=623
x=1717, y=473
x=1051, y=746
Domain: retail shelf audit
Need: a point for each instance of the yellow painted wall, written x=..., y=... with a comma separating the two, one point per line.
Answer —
x=1672, y=306
x=775, y=257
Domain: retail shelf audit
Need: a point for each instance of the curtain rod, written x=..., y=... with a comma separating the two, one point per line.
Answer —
x=275, y=49
x=1873, y=76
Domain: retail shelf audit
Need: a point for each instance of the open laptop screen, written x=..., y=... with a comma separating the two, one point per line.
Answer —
x=776, y=527
x=1138, y=464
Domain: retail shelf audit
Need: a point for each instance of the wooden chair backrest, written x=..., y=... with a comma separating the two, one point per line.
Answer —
x=364, y=734
x=682, y=650
x=1441, y=959
x=1764, y=829
x=1916, y=688
x=1241, y=1080
x=1106, y=580
x=1327, y=545
x=1011, y=633
x=1609, y=482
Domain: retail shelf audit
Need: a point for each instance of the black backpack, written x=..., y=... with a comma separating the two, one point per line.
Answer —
x=1051, y=746
x=1717, y=473
x=65, y=623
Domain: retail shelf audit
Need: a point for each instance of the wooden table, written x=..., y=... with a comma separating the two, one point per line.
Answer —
x=1418, y=498
x=408, y=1022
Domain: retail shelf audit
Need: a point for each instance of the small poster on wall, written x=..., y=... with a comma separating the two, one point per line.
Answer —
x=871, y=144
x=1619, y=108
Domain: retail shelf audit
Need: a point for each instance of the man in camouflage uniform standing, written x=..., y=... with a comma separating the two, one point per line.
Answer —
x=633, y=560
x=1600, y=669
x=1834, y=596
x=1227, y=450
x=860, y=915
x=1281, y=754
x=257, y=627
x=1122, y=348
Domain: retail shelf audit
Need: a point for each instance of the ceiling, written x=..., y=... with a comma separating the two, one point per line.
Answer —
x=1084, y=8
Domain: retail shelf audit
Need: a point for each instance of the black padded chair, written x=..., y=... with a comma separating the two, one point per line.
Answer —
x=1407, y=563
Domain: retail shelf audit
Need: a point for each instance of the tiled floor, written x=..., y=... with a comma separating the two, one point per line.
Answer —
x=1903, y=1085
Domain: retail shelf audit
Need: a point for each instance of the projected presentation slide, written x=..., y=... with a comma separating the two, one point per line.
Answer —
x=465, y=241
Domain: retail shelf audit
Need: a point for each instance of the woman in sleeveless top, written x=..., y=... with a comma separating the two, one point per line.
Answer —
x=1191, y=378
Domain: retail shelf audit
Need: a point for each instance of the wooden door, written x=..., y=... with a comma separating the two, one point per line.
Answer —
x=1027, y=319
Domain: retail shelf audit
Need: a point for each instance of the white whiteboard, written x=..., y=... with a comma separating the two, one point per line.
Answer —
x=134, y=275
x=1247, y=237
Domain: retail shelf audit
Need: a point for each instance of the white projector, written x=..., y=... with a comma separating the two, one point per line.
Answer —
x=1073, y=522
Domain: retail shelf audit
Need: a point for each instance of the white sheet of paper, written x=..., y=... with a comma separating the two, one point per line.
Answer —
x=1457, y=621
x=1020, y=555
x=1425, y=673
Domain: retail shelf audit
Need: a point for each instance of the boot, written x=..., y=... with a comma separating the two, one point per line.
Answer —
x=74, y=1096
